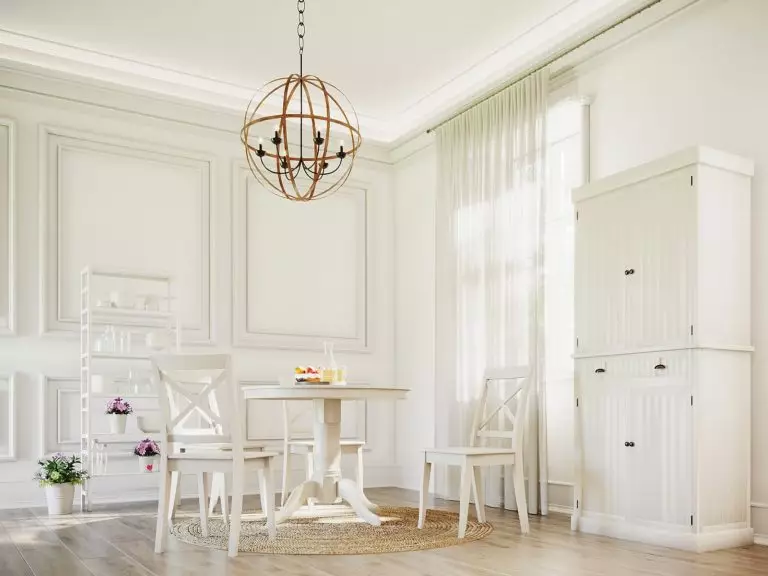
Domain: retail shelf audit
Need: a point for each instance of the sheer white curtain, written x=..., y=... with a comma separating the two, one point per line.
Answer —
x=491, y=163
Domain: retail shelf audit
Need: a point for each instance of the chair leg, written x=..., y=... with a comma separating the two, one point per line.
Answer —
x=286, y=475
x=425, y=474
x=310, y=465
x=518, y=479
x=268, y=500
x=202, y=496
x=224, y=498
x=163, y=505
x=466, y=485
x=360, y=467
x=237, y=508
x=215, y=492
x=175, y=494
x=262, y=492
x=478, y=488
x=310, y=474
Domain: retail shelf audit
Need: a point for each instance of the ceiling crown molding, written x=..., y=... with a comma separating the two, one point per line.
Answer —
x=574, y=20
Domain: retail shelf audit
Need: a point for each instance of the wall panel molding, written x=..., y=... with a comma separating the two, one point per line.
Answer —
x=8, y=227
x=50, y=414
x=11, y=454
x=247, y=195
x=57, y=147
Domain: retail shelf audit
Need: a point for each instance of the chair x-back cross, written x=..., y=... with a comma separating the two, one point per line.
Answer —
x=202, y=385
x=502, y=423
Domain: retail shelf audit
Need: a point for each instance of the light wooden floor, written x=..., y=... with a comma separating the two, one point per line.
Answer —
x=118, y=540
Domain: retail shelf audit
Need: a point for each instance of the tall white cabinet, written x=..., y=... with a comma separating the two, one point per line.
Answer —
x=663, y=352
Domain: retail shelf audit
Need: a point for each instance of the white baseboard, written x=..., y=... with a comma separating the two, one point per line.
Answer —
x=761, y=539
x=702, y=542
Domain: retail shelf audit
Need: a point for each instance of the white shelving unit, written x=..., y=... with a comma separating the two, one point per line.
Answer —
x=112, y=357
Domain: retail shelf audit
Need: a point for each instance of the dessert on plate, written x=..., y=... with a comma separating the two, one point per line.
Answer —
x=307, y=375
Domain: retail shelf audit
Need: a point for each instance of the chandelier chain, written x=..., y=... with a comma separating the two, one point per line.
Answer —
x=300, y=28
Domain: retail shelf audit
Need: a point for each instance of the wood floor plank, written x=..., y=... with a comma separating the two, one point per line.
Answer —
x=122, y=539
x=11, y=561
x=115, y=566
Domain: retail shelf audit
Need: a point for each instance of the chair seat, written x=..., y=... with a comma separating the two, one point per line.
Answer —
x=472, y=451
x=219, y=455
x=311, y=442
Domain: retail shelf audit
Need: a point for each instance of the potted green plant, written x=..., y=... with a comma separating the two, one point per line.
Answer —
x=147, y=450
x=59, y=475
x=118, y=410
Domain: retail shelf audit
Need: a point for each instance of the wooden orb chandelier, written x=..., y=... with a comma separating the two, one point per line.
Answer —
x=294, y=165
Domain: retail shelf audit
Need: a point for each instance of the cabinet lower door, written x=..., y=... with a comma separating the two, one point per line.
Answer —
x=603, y=429
x=660, y=459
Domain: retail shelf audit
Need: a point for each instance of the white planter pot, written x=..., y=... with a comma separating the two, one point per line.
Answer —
x=117, y=423
x=60, y=497
x=147, y=464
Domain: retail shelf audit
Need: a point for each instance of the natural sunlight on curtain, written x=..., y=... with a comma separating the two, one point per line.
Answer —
x=506, y=179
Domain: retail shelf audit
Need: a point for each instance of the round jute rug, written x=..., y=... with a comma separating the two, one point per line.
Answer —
x=340, y=533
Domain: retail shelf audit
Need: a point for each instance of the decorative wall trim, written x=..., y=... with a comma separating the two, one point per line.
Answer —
x=59, y=436
x=54, y=140
x=11, y=456
x=45, y=385
x=246, y=337
x=8, y=317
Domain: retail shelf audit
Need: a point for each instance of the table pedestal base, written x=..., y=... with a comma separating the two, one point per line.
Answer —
x=348, y=491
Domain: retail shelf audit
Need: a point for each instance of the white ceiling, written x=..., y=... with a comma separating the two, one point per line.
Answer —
x=401, y=62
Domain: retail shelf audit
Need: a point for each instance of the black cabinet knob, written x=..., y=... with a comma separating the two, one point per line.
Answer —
x=629, y=272
x=630, y=444
x=660, y=366
x=599, y=370
x=626, y=444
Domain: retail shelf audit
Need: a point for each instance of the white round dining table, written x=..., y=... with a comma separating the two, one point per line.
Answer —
x=326, y=485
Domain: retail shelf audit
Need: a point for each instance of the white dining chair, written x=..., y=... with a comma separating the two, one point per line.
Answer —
x=472, y=458
x=297, y=445
x=202, y=384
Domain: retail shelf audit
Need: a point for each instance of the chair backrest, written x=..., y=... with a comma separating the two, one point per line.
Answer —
x=198, y=385
x=503, y=421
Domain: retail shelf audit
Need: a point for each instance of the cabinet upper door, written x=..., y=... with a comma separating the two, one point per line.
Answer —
x=661, y=255
x=660, y=458
x=600, y=304
x=634, y=262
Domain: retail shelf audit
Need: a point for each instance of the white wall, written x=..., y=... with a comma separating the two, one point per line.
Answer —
x=699, y=78
x=414, y=193
x=108, y=178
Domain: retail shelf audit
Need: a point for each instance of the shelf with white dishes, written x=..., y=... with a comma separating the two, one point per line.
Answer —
x=146, y=325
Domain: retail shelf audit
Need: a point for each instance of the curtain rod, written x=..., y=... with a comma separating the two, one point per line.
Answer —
x=552, y=59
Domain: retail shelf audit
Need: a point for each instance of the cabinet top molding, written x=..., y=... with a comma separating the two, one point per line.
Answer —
x=687, y=157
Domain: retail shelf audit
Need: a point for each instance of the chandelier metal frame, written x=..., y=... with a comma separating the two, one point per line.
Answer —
x=297, y=173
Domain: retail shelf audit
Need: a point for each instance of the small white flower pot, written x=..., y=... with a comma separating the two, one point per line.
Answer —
x=60, y=497
x=117, y=423
x=147, y=464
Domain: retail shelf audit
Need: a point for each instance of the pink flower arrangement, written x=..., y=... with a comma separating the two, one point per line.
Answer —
x=119, y=406
x=147, y=447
